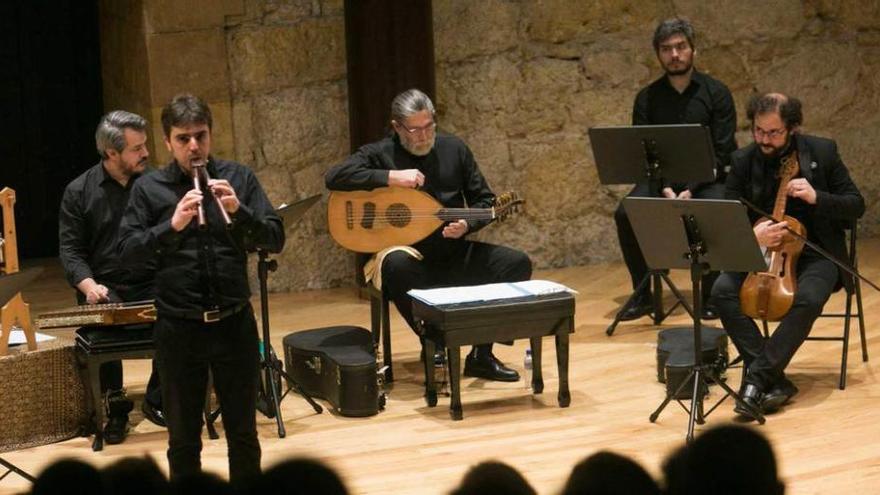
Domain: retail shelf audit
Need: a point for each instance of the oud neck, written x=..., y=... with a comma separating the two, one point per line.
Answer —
x=453, y=214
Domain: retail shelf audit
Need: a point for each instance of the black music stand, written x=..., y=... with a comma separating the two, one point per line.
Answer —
x=10, y=285
x=655, y=155
x=700, y=235
x=272, y=367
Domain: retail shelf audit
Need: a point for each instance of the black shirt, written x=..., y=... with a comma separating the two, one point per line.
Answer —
x=199, y=269
x=451, y=176
x=705, y=101
x=88, y=228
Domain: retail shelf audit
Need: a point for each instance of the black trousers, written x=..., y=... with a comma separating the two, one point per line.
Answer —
x=187, y=350
x=110, y=375
x=766, y=359
x=629, y=246
x=481, y=263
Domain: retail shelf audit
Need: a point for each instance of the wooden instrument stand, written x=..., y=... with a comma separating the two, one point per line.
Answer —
x=16, y=312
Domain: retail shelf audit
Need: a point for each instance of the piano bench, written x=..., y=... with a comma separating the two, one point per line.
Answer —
x=455, y=325
x=98, y=345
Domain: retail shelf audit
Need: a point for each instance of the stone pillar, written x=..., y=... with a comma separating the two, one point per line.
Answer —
x=155, y=49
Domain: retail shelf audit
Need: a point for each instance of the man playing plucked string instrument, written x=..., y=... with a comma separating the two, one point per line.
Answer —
x=416, y=156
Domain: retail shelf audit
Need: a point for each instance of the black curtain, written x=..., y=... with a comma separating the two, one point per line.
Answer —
x=389, y=49
x=50, y=103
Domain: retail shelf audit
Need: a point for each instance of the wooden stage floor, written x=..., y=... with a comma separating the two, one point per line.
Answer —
x=823, y=439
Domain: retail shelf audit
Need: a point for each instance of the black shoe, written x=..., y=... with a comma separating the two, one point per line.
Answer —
x=439, y=358
x=777, y=396
x=490, y=368
x=751, y=395
x=639, y=308
x=710, y=312
x=118, y=406
x=154, y=414
x=116, y=429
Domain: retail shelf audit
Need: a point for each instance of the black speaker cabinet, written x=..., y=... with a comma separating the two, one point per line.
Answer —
x=337, y=364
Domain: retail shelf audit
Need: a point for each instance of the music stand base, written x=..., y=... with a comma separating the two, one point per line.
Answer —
x=656, y=278
x=702, y=379
x=271, y=366
x=12, y=468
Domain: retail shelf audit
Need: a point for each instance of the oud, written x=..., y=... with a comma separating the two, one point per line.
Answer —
x=370, y=221
x=769, y=295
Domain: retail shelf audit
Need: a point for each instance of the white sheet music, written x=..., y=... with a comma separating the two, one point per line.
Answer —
x=17, y=337
x=488, y=292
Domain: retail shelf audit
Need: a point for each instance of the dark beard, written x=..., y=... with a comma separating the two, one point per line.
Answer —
x=778, y=152
x=679, y=72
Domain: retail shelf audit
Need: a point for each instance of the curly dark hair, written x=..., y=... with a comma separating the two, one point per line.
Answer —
x=788, y=107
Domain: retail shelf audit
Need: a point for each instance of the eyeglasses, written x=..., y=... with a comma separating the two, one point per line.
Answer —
x=772, y=133
x=427, y=128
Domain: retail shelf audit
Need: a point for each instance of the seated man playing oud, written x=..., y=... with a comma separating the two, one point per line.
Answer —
x=416, y=156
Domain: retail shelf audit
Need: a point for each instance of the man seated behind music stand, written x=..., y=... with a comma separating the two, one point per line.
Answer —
x=820, y=197
x=91, y=209
x=416, y=156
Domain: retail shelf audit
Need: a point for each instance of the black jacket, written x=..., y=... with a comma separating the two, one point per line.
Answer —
x=838, y=201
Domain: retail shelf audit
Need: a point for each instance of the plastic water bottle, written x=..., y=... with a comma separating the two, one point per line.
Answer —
x=527, y=367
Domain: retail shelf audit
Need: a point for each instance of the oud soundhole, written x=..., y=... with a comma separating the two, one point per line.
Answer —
x=369, y=215
x=398, y=215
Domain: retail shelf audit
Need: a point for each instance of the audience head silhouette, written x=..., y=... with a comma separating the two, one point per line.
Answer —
x=300, y=476
x=493, y=477
x=726, y=460
x=607, y=473
x=70, y=477
x=134, y=476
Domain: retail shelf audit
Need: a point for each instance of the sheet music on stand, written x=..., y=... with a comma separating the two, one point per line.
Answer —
x=488, y=292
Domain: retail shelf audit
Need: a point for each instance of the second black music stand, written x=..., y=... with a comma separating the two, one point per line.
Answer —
x=654, y=155
x=272, y=367
x=700, y=234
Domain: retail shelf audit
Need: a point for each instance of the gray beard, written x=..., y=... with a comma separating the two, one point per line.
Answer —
x=424, y=152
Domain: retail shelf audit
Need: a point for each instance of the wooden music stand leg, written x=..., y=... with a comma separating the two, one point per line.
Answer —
x=16, y=313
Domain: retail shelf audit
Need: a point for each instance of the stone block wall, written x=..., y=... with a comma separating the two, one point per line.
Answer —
x=524, y=93
x=290, y=114
x=521, y=81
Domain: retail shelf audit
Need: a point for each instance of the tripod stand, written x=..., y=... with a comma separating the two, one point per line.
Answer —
x=271, y=366
x=720, y=225
x=652, y=156
x=12, y=468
